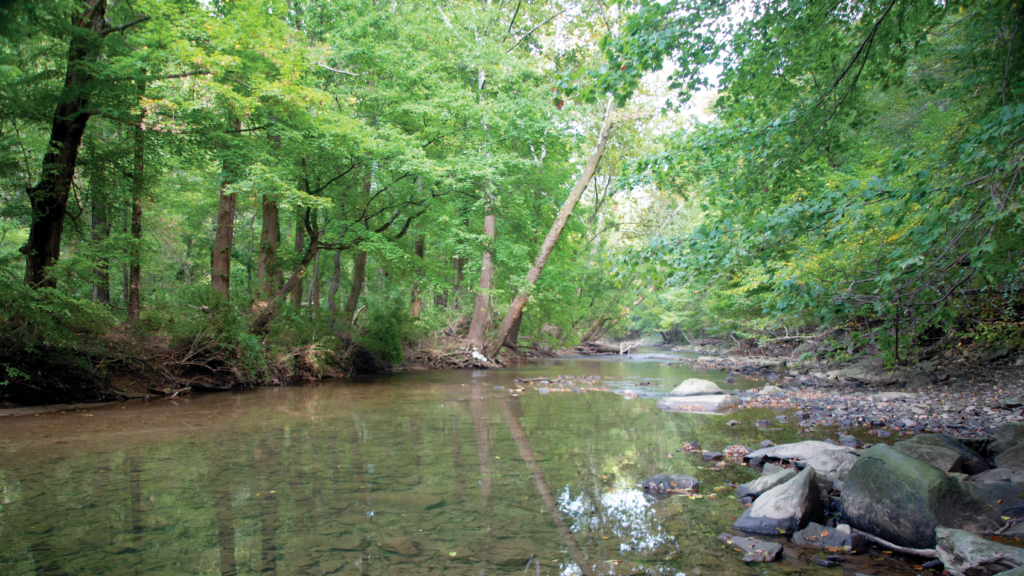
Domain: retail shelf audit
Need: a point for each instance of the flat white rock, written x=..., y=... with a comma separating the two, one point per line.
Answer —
x=695, y=387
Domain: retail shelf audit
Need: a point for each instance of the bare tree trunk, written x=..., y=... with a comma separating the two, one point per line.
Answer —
x=416, y=303
x=512, y=340
x=300, y=244
x=478, y=324
x=551, y=239
x=459, y=264
x=332, y=294
x=138, y=189
x=269, y=237
x=49, y=198
x=100, y=233
x=358, y=277
x=220, y=280
x=316, y=287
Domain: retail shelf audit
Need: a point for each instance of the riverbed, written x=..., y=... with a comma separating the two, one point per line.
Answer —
x=422, y=472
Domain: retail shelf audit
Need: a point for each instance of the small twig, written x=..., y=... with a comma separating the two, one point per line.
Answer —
x=346, y=72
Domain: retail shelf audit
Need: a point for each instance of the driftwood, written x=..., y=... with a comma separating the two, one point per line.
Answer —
x=897, y=548
x=595, y=348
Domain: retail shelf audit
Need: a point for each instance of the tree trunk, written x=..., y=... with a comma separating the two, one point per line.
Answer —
x=459, y=264
x=516, y=309
x=100, y=233
x=332, y=294
x=300, y=244
x=49, y=198
x=416, y=303
x=478, y=324
x=316, y=287
x=358, y=276
x=138, y=189
x=269, y=237
x=263, y=318
x=220, y=279
x=513, y=335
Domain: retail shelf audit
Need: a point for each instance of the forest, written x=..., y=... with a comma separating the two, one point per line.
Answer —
x=258, y=191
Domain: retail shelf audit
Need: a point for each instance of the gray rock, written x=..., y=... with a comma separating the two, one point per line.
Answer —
x=887, y=396
x=1005, y=437
x=770, y=390
x=398, y=545
x=770, y=469
x=903, y=499
x=1005, y=497
x=971, y=463
x=708, y=404
x=1012, y=458
x=942, y=458
x=695, y=387
x=662, y=483
x=838, y=539
x=994, y=475
x=785, y=508
x=829, y=459
x=765, y=483
x=1014, y=572
x=849, y=441
x=964, y=554
x=754, y=550
x=766, y=444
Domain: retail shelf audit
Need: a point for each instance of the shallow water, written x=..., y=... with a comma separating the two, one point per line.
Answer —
x=429, y=472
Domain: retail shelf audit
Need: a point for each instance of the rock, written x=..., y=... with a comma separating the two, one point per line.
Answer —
x=350, y=542
x=902, y=499
x=994, y=475
x=972, y=462
x=1012, y=458
x=831, y=460
x=766, y=444
x=711, y=456
x=824, y=562
x=716, y=403
x=765, y=483
x=849, y=441
x=770, y=390
x=1015, y=571
x=695, y=387
x=732, y=423
x=662, y=483
x=964, y=554
x=400, y=545
x=1006, y=436
x=839, y=539
x=785, y=508
x=753, y=549
x=887, y=396
x=770, y=469
x=942, y=458
x=1005, y=497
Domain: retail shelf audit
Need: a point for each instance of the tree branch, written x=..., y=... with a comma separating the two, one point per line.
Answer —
x=113, y=29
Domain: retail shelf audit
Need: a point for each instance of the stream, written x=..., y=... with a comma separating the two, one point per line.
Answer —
x=413, y=473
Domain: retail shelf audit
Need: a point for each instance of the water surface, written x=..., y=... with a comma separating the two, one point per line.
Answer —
x=427, y=472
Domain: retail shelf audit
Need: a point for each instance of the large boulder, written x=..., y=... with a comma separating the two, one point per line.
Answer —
x=832, y=460
x=971, y=462
x=785, y=508
x=994, y=475
x=1012, y=458
x=838, y=539
x=1005, y=437
x=765, y=483
x=754, y=550
x=717, y=403
x=1006, y=497
x=695, y=387
x=964, y=554
x=942, y=458
x=903, y=500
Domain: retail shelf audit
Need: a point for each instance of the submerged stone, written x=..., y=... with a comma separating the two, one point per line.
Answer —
x=716, y=403
x=753, y=550
x=840, y=538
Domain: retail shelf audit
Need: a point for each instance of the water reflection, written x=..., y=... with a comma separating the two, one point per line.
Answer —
x=420, y=473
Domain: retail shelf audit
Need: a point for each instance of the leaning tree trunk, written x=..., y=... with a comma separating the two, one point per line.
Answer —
x=138, y=189
x=416, y=302
x=264, y=316
x=49, y=198
x=478, y=324
x=516, y=309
